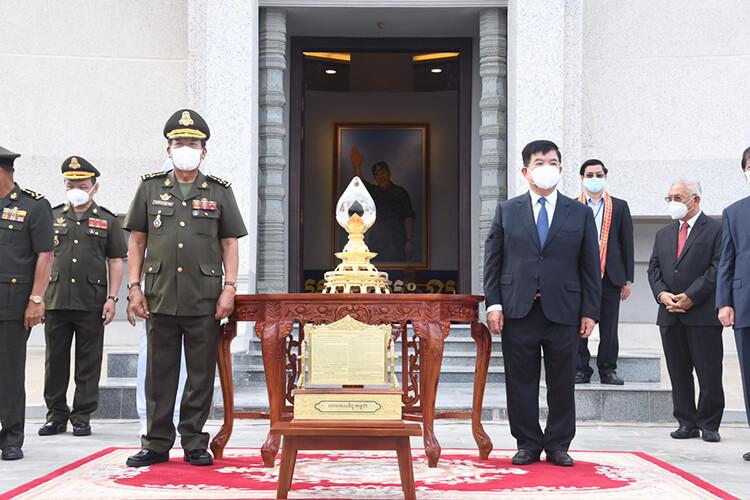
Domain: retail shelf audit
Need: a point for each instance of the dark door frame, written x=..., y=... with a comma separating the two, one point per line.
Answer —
x=296, y=136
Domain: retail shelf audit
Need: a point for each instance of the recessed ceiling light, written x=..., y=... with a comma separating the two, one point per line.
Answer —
x=330, y=72
x=436, y=70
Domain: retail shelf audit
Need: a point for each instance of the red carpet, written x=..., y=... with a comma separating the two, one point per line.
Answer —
x=460, y=475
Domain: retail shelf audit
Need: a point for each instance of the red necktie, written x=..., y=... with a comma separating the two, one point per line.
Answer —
x=682, y=238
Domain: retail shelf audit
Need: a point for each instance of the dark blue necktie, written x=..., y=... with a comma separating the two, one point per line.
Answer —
x=542, y=222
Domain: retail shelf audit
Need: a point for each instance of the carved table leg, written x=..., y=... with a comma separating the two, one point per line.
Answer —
x=432, y=335
x=224, y=359
x=272, y=336
x=481, y=336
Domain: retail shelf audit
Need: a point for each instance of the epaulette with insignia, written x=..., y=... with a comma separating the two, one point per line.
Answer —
x=153, y=175
x=33, y=194
x=217, y=180
x=110, y=212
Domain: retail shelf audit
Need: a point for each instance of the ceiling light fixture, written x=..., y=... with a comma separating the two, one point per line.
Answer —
x=434, y=56
x=330, y=72
x=329, y=56
x=436, y=70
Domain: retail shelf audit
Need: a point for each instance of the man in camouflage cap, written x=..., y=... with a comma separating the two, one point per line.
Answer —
x=89, y=244
x=25, y=263
x=189, y=223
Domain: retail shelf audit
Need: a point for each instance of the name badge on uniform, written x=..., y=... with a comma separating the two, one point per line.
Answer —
x=14, y=214
x=205, y=205
x=97, y=223
x=162, y=203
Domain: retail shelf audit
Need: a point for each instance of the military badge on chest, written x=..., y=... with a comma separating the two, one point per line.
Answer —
x=96, y=226
x=203, y=206
x=14, y=214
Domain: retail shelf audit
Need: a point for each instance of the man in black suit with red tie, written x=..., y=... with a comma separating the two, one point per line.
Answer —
x=682, y=274
x=543, y=292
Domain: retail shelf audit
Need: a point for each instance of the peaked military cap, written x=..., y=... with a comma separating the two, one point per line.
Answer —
x=186, y=124
x=76, y=168
x=7, y=157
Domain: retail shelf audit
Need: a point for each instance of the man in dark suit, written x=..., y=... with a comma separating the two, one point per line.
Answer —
x=682, y=275
x=543, y=291
x=733, y=281
x=615, y=232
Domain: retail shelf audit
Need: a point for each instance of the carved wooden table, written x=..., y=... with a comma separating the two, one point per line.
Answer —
x=421, y=355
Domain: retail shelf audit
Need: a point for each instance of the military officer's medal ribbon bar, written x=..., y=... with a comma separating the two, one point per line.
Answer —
x=204, y=204
x=14, y=214
x=97, y=223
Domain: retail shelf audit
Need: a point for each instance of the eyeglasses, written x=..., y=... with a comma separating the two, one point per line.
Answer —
x=678, y=198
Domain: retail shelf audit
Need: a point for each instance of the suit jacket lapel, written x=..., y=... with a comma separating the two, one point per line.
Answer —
x=527, y=219
x=562, y=208
x=694, y=234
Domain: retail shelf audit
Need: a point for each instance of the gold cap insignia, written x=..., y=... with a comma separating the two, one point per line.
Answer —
x=167, y=182
x=74, y=163
x=185, y=120
x=13, y=196
x=165, y=196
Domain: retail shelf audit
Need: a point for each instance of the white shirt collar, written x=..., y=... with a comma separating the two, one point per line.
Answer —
x=691, y=222
x=551, y=198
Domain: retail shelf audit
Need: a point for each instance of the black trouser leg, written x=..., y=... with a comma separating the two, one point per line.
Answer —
x=201, y=345
x=58, y=336
x=707, y=353
x=88, y=367
x=162, y=376
x=742, y=339
x=609, y=344
x=680, y=368
x=522, y=358
x=13, y=337
x=559, y=343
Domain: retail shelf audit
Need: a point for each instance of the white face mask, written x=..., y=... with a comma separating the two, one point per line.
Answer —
x=186, y=158
x=747, y=176
x=677, y=210
x=77, y=197
x=546, y=176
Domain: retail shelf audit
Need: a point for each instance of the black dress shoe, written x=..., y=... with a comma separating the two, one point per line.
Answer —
x=746, y=456
x=146, y=457
x=526, y=457
x=582, y=378
x=559, y=457
x=51, y=428
x=711, y=436
x=81, y=429
x=12, y=453
x=198, y=457
x=684, y=432
x=610, y=378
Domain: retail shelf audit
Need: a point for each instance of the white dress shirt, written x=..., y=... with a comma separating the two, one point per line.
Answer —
x=536, y=207
x=598, y=211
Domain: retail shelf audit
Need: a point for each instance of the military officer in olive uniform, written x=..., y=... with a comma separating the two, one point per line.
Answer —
x=89, y=244
x=189, y=223
x=25, y=263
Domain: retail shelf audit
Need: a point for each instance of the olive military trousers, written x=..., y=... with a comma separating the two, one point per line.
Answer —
x=166, y=334
x=13, y=337
x=60, y=327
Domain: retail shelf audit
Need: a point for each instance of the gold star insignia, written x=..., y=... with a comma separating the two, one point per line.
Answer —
x=185, y=119
x=13, y=196
x=165, y=196
x=74, y=163
x=167, y=182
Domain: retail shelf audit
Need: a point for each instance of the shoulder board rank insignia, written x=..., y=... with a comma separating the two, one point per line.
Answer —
x=33, y=194
x=97, y=223
x=153, y=175
x=110, y=212
x=218, y=180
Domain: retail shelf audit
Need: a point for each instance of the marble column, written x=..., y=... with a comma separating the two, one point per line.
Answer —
x=492, y=130
x=272, y=240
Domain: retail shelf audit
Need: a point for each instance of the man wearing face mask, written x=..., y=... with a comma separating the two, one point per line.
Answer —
x=190, y=224
x=542, y=285
x=733, y=281
x=25, y=262
x=81, y=301
x=615, y=230
x=682, y=274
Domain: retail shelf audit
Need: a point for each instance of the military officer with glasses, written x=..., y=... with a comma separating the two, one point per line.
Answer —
x=189, y=225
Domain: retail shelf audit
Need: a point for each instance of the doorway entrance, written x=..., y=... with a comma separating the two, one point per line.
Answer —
x=396, y=112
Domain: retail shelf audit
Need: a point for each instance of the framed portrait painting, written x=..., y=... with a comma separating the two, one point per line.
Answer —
x=393, y=161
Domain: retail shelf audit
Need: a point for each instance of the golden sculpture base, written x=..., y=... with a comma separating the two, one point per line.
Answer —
x=347, y=404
